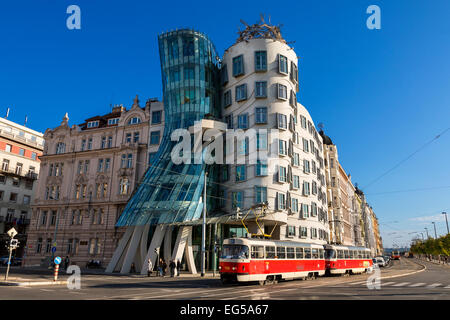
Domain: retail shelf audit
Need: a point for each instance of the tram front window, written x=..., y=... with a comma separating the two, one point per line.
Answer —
x=330, y=254
x=234, y=251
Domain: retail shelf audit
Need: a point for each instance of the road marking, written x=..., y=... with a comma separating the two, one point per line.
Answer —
x=447, y=287
x=387, y=283
x=401, y=284
x=417, y=284
x=434, y=285
x=355, y=283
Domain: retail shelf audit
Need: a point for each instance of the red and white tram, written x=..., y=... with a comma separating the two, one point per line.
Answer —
x=347, y=259
x=261, y=260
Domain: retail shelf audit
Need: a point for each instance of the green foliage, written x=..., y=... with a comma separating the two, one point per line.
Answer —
x=440, y=246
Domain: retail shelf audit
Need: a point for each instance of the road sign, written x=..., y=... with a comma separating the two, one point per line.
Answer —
x=53, y=249
x=12, y=232
x=57, y=260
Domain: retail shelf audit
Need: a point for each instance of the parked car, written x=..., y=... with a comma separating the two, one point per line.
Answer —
x=380, y=261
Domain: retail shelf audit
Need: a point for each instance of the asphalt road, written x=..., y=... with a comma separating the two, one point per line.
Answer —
x=404, y=279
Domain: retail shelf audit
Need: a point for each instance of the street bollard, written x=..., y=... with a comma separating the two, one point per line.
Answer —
x=56, y=272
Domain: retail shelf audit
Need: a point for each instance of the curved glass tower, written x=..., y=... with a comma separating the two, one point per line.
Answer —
x=171, y=193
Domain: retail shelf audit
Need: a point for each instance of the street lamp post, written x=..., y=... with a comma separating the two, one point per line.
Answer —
x=435, y=234
x=426, y=229
x=446, y=221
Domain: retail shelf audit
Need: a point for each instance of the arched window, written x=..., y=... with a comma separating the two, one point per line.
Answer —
x=134, y=120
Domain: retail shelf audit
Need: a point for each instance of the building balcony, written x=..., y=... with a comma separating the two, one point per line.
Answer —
x=21, y=139
x=18, y=173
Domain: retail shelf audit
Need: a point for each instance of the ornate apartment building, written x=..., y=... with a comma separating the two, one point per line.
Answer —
x=20, y=150
x=88, y=173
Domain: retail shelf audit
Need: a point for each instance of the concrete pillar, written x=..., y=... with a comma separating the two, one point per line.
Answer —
x=143, y=247
x=189, y=253
x=132, y=249
x=119, y=250
x=157, y=239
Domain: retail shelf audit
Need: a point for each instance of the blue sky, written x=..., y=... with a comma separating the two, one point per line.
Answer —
x=381, y=94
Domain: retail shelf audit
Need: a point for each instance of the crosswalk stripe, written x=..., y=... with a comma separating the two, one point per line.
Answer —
x=417, y=284
x=434, y=285
x=387, y=283
x=359, y=282
x=447, y=287
x=401, y=284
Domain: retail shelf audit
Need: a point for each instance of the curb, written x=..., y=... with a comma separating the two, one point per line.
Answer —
x=33, y=283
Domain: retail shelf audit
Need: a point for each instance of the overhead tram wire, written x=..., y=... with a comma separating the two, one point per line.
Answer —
x=407, y=158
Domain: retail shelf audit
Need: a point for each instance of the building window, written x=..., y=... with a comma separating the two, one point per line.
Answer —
x=305, y=211
x=33, y=155
x=303, y=122
x=107, y=163
x=261, y=168
x=303, y=232
x=240, y=173
x=44, y=218
x=260, y=194
x=306, y=168
x=261, y=140
x=282, y=147
x=156, y=117
x=134, y=120
x=128, y=138
x=154, y=137
x=282, y=64
x=294, y=72
x=296, y=159
x=238, y=66
x=124, y=186
x=89, y=144
x=60, y=147
x=261, y=115
x=2, y=179
x=8, y=148
x=86, y=166
x=109, y=142
x=295, y=182
x=13, y=197
x=281, y=201
x=113, y=121
x=281, y=121
x=39, y=245
x=53, y=218
x=282, y=174
x=241, y=92
x=93, y=124
x=16, y=182
x=224, y=74
x=100, y=165
x=261, y=89
x=19, y=167
x=123, y=162
x=5, y=165
x=227, y=98
x=260, y=60
x=237, y=199
x=306, y=191
x=294, y=205
x=103, y=146
x=136, y=137
x=290, y=232
x=305, y=145
x=21, y=152
x=282, y=91
x=243, y=121
x=130, y=161
x=229, y=121
x=151, y=157
x=83, y=144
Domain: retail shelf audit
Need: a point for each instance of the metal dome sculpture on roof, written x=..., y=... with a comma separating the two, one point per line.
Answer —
x=260, y=30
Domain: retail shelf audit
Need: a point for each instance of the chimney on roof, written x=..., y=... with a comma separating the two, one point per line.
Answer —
x=118, y=109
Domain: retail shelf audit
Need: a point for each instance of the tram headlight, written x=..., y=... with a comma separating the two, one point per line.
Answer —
x=220, y=267
x=234, y=268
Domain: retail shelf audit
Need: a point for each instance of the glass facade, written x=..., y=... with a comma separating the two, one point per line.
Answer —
x=170, y=193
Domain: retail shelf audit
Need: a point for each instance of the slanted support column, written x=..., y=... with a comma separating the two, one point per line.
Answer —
x=189, y=254
x=143, y=247
x=157, y=239
x=180, y=243
x=168, y=244
x=120, y=250
x=132, y=249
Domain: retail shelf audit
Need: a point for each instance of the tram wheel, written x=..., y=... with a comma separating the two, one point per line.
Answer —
x=262, y=282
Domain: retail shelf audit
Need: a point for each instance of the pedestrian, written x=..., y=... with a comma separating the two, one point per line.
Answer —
x=160, y=267
x=172, y=267
x=133, y=268
x=178, y=267
x=164, y=268
x=66, y=262
x=149, y=268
